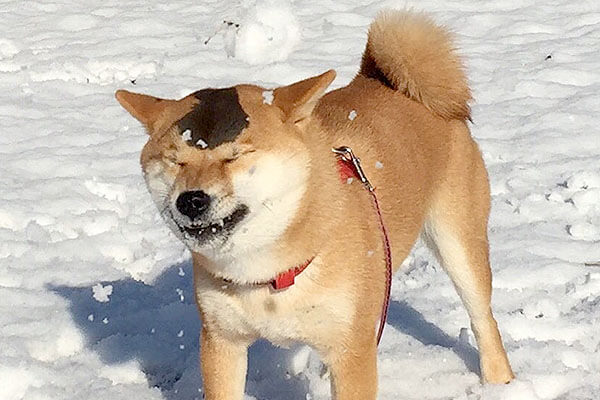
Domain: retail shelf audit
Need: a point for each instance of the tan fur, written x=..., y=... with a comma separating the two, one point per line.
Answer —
x=433, y=182
x=417, y=57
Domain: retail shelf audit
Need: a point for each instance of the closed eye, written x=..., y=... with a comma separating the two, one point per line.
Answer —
x=172, y=162
x=237, y=153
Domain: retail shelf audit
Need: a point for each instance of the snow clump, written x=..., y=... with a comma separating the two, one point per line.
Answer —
x=102, y=293
x=269, y=34
x=267, y=97
x=186, y=135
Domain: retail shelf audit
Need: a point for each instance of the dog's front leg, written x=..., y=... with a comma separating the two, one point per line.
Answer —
x=354, y=371
x=224, y=363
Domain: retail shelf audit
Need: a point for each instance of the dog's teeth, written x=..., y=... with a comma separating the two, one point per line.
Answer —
x=213, y=229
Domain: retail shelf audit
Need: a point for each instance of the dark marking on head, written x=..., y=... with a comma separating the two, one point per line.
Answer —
x=216, y=119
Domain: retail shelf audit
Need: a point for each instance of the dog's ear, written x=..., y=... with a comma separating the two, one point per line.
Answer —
x=146, y=109
x=298, y=100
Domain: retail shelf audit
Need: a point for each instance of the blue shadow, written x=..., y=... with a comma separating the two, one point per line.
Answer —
x=409, y=321
x=158, y=325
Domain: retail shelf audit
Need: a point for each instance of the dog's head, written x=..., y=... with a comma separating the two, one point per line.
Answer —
x=227, y=168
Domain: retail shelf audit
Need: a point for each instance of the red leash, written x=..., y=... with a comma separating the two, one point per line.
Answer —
x=349, y=166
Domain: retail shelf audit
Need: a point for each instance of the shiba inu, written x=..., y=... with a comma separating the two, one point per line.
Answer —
x=246, y=178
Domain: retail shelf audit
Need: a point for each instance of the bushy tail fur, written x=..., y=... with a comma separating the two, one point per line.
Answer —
x=410, y=53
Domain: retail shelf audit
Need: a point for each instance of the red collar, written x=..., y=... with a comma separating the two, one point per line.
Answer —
x=286, y=279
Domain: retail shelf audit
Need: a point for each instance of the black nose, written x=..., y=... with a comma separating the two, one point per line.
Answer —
x=193, y=203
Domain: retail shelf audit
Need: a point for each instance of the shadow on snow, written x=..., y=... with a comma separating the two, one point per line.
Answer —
x=158, y=325
x=411, y=322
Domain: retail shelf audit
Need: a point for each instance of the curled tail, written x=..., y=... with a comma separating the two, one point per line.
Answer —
x=408, y=52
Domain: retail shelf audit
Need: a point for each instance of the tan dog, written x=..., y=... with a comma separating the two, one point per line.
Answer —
x=245, y=177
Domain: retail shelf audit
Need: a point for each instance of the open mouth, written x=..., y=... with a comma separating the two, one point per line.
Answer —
x=224, y=225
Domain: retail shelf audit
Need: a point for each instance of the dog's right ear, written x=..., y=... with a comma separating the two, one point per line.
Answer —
x=298, y=100
x=146, y=109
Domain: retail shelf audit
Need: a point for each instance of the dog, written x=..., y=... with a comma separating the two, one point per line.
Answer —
x=245, y=177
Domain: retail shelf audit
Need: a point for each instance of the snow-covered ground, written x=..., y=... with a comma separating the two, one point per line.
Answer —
x=96, y=297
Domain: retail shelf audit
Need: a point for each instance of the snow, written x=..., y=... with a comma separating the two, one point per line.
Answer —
x=122, y=374
x=267, y=97
x=269, y=33
x=7, y=48
x=200, y=142
x=75, y=213
x=186, y=135
x=299, y=361
x=102, y=293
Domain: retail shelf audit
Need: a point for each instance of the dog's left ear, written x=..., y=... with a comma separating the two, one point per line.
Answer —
x=298, y=100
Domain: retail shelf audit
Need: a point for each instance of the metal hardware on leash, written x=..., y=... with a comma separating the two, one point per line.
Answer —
x=348, y=155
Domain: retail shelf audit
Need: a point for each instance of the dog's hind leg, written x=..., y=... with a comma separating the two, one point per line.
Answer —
x=456, y=230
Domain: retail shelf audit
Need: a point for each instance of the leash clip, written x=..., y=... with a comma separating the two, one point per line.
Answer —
x=348, y=161
x=347, y=155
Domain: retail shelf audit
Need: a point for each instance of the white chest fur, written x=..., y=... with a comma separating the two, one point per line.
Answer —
x=302, y=312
